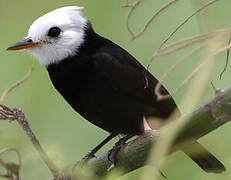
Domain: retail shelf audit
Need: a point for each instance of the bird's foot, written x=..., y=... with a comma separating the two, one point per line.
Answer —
x=112, y=154
x=87, y=157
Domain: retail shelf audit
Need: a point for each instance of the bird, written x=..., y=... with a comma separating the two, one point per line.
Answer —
x=101, y=81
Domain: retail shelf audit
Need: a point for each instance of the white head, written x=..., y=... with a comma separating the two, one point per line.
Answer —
x=55, y=36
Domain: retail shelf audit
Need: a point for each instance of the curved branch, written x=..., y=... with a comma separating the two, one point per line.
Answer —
x=181, y=24
x=15, y=85
x=150, y=20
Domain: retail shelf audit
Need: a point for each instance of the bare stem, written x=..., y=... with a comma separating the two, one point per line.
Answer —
x=227, y=60
x=13, y=150
x=195, y=71
x=132, y=8
x=159, y=84
x=16, y=114
x=181, y=24
x=12, y=169
x=151, y=19
x=181, y=44
x=15, y=85
x=20, y=117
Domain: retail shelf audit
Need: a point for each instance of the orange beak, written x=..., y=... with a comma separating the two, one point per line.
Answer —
x=26, y=44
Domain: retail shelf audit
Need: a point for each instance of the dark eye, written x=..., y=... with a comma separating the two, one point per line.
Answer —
x=54, y=32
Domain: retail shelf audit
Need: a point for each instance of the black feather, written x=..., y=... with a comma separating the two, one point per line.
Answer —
x=107, y=86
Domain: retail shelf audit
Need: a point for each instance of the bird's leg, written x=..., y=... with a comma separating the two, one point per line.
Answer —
x=114, y=151
x=162, y=174
x=91, y=154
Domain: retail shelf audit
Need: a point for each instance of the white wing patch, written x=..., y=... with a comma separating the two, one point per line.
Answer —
x=146, y=125
x=152, y=123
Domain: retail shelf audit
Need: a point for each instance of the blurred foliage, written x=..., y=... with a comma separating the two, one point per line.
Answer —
x=62, y=132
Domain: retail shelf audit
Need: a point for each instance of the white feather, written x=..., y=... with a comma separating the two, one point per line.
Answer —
x=72, y=24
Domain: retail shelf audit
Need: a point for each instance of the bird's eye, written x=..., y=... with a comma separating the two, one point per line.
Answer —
x=54, y=32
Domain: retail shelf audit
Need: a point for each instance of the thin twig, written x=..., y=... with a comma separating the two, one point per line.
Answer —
x=3, y=164
x=216, y=90
x=12, y=169
x=132, y=8
x=6, y=113
x=14, y=150
x=201, y=66
x=180, y=47
x=20, y=117
x=227, y=60
x=17, y=114
x=181, y=24
x=195, y=71
x=192, y=40
x=159, y=84
x=175, y=30
x=183, y=44
x=15, y=85
x=126, y=4
x=151, y=19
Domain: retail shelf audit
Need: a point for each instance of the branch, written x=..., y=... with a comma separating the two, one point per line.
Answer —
x=7, y=113
x=149, y=21
x=181, y=24
x=13, y=86
x=191, y=75
x=18, y=115
x=12, y=169
x=200, y=122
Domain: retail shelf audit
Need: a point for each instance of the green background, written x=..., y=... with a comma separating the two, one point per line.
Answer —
x=63, y=133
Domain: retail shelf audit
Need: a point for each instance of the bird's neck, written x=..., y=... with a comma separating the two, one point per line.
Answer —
x=91, y=44
x=77, y=68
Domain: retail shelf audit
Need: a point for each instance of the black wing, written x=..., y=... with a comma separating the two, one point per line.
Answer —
x=122, y=90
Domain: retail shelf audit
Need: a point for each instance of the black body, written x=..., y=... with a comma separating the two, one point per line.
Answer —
x=108, y=87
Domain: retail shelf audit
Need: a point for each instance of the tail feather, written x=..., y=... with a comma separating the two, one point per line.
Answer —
x=203, y=158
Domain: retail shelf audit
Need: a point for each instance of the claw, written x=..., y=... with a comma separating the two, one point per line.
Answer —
x=112, y=154
x=87, y=157
x=84, y=160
